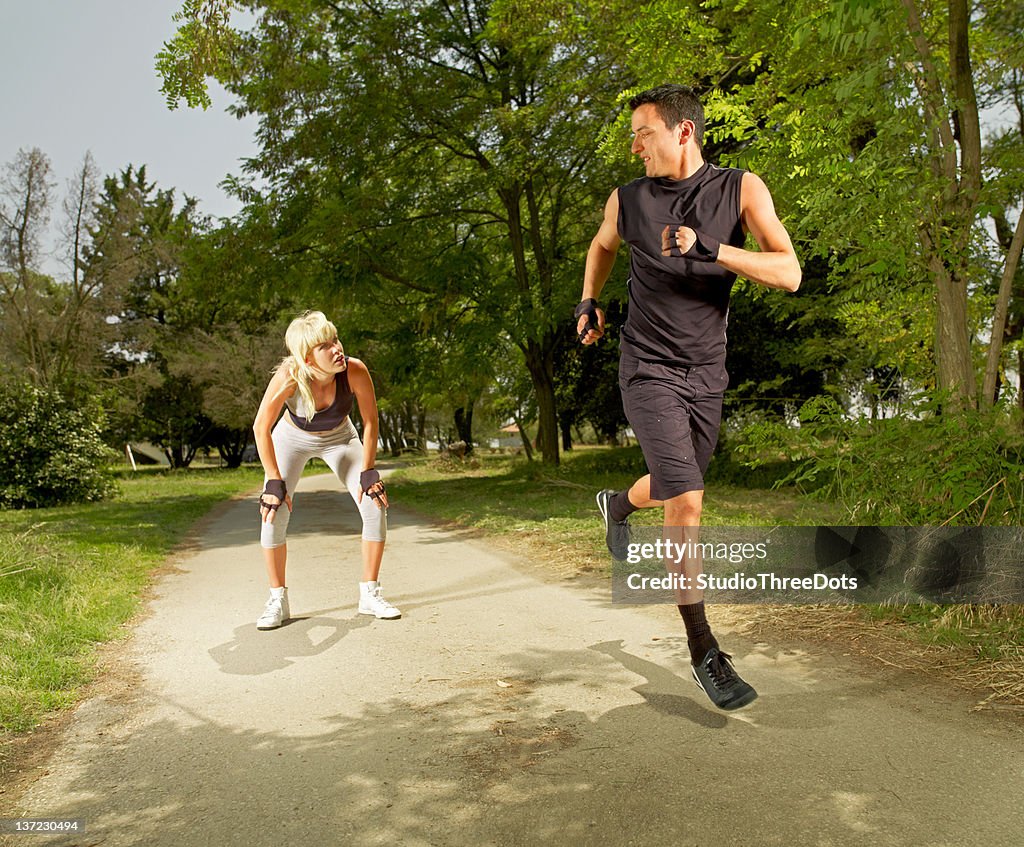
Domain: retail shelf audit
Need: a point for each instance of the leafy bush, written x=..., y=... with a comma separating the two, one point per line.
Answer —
x=51, y=452
x=728, y=468
x=964, y=467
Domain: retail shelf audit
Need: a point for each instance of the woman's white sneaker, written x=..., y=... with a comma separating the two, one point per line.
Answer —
x=276, y=612
x=372, y=602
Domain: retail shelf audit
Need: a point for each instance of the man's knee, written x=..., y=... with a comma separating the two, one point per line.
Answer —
x=684, y=509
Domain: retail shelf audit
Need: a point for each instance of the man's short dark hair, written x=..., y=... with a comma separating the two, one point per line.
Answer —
x=674, y=103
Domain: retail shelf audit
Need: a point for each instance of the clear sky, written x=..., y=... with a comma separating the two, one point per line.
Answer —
x=78, y=75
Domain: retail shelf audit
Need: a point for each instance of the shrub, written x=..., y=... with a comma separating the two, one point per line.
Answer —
x=964, y=467
x=51, y=451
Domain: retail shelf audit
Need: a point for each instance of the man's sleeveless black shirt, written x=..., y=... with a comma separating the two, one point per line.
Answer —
x=679, y=308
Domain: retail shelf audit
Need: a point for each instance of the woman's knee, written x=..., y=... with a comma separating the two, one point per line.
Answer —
x=273, y=533
x=375, y=522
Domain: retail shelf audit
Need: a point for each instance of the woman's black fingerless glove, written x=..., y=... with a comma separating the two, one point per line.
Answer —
x=368, y=479
x=275, y=488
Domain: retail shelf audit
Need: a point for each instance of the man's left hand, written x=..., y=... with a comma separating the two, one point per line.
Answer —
x=698, y=246
x=684, y=240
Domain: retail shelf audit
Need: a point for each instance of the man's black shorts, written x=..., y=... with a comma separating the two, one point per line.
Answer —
x=675, y=413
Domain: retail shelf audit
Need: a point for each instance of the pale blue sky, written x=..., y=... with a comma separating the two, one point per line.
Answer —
x=78, y=75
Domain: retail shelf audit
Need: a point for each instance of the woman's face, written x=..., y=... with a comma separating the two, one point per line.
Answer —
x=328, y=357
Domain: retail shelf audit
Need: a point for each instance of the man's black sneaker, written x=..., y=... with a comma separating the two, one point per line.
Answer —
x=716, y=675
x=616, y=533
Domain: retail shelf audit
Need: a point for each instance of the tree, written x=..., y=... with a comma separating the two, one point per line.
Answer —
x=81, y=333
x=479, y=179
x=54, y=330
x=588, y=378
x=864, y=119
x=1002, y=91
x=230, y=366
x=136, y=254
x=51, y=452
x=26, y=195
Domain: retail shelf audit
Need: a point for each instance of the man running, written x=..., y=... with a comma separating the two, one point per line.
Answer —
x=685, y=222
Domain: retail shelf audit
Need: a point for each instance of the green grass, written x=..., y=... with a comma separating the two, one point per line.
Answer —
x=991, y=632
x=71, y=576
x=555, y=506
x=503, y=494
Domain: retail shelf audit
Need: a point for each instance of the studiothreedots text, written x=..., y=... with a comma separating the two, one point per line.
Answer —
x=741, y=582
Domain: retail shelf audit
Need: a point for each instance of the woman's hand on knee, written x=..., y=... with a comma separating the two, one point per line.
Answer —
x=274, y=494
x=269, y=504
x=371, y=484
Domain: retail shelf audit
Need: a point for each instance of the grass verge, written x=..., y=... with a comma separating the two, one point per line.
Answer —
x=72, y=576
x=550, y=514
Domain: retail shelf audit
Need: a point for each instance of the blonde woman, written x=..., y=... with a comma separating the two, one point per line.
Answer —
x=315, y=386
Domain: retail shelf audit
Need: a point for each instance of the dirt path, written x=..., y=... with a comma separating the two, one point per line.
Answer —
x=502, y=709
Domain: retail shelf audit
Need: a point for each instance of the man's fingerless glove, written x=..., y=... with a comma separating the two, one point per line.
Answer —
x=587, y=307
x=704, y=249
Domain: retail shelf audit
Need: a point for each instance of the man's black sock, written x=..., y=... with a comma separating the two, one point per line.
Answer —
x=698, y=632
x=619, y=507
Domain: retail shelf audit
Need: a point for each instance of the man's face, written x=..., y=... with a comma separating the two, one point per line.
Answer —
x=658, y=146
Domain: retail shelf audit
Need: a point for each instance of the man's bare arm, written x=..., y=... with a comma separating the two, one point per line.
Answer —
x=776, y=265
x=600, y=261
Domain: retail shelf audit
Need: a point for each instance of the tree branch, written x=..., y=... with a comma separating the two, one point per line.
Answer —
x=995, y=347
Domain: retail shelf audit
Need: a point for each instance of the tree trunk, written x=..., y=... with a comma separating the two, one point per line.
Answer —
x=421, y=430
x=539, y=361
x=952, y=119
x=995, y=347
x=524, y=438
x=179, y=455
x=387, y=434
x=408, y=430
x=464, y=426
x=566, y=426
x=232, y=447
x=954, y=365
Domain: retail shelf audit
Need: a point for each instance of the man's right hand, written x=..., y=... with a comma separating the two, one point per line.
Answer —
x=590, y=321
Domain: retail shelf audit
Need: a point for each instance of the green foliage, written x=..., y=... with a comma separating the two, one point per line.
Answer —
x=51, y=451
x=587, y=379
x=430, y=166
x=198, y=50
x=964, y=468
x=138, y=247
x=783, y=350
x=859, y=123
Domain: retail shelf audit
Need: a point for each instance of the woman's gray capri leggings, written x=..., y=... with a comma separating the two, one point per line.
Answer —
x=342, y=450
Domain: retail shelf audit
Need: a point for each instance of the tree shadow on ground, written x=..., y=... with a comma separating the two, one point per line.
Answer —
x=531, y=760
